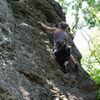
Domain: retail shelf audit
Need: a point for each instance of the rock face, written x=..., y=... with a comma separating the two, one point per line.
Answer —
x=28, y=69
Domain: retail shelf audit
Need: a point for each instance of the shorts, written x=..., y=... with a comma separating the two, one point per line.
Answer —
x=62, y=55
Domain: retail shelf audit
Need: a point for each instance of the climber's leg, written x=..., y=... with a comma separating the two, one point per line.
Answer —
x=66, y=63
x=73, y=60
x=61, y=58
x=63, y=67
x=68, y=53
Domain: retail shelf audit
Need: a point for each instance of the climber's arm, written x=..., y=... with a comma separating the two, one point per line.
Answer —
x=47, y=27
x=66, y=36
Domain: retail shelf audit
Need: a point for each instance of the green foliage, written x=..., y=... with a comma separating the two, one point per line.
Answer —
x=64, y=5
x=91, y=63
x=90, y=10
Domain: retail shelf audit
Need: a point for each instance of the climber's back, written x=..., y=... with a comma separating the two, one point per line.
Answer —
x=60, y=36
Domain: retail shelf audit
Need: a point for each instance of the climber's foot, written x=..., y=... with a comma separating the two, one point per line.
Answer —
x=76, y=66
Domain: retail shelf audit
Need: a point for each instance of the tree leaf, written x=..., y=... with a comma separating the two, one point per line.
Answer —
x=92, y=53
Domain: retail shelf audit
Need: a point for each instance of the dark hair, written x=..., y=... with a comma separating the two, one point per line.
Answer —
x=64, y=25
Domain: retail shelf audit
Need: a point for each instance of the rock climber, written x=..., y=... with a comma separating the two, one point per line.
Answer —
x=61, y=49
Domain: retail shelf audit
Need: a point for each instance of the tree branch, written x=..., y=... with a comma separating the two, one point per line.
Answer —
x=77, y=17
x=90, y=47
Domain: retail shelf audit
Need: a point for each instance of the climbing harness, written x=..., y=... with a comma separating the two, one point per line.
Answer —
x=61, y=44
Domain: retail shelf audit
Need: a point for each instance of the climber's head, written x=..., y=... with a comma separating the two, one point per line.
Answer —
x=63, y=25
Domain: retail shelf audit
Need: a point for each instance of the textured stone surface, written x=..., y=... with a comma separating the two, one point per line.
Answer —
x=28, y=70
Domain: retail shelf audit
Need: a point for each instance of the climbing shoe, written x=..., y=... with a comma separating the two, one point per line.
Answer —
x=76, y=66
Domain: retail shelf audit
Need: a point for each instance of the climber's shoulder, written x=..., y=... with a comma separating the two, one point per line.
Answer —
x=57, y=31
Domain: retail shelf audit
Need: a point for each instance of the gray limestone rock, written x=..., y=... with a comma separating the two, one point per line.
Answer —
x=28, y=69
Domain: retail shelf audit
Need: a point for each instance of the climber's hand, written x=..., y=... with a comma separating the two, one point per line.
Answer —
x=39, y=23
